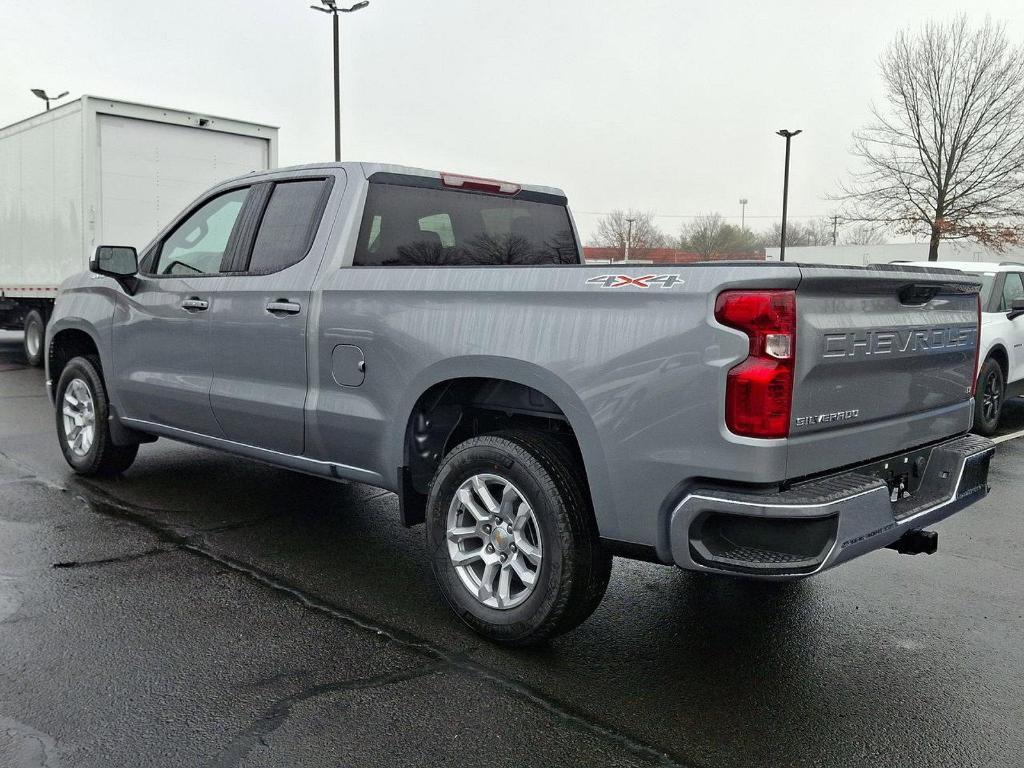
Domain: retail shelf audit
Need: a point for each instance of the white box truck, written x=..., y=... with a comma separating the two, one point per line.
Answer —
x=95, y=171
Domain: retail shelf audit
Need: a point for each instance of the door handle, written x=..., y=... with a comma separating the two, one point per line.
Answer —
x=283, y=307
x=195, y=304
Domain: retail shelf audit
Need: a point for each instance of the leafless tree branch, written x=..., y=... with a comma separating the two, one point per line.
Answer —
x=944, y=154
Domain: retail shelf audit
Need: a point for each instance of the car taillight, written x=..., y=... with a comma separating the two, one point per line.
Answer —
x=759, y=391
x=977, y=351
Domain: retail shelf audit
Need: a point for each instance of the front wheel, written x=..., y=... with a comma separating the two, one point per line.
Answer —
x=82, y=426
x=35, y=338
x=512, y=537
x=988, y=398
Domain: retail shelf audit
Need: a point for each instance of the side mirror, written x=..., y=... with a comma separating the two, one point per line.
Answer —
x=1016, y=309
x=117, y=261
x=120, y=262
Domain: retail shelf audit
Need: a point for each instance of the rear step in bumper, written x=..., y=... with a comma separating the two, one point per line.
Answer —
x=824, y=522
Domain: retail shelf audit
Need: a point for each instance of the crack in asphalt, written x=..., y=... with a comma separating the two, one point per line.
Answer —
x=113, y=560
x=240, y=524
x=189, y=540
x=279, y=712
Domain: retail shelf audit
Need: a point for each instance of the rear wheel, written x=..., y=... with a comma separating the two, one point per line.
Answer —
x=988, y=398
x=35, y=337
x=512, y=537
x=82, y=426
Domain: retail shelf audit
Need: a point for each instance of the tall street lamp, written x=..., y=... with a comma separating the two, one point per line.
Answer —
x=743, y=213
x=787, y=135
x=629, y=237
x=331, y=7
x=42, y=95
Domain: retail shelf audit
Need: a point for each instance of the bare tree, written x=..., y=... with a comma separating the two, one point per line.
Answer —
x=814, y=232
x=862, y=233
x=709, y=236
x=945, y=153
x=615, y=228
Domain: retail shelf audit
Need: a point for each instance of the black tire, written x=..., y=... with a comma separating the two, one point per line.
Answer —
x=35, y=338
x=574, y=570
x=102, y=457
x=989, y=397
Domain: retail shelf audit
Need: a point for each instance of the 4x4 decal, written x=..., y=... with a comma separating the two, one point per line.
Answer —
x=647, y=281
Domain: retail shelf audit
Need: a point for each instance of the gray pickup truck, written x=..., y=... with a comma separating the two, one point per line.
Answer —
x=439, y=336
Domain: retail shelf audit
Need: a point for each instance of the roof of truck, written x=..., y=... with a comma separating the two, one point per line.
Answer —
x=368, y=169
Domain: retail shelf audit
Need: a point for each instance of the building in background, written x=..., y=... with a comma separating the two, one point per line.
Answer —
x=859, y=255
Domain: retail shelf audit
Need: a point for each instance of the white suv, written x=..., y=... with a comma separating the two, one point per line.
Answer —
x=1001, y=355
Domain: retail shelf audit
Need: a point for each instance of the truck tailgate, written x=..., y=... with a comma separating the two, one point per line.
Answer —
x=885, y=361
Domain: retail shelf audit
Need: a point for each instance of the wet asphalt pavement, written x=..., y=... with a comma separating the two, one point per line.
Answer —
x=205, y=610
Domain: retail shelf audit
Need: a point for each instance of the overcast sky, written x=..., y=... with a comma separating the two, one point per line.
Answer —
x=669, y=106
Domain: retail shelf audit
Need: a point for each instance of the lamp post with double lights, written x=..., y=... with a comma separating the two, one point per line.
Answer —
x=331, y=7
x=43, y=95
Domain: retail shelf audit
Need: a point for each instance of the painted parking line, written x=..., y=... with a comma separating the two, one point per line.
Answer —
x=1011, y=436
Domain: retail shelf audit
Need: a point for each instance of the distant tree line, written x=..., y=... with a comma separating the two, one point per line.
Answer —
x=711, y=235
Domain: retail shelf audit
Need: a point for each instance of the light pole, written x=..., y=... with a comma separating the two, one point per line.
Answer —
x=743, y=213
x=787, y=135
x=331, y=7
x=42, y=95
x=629, y=236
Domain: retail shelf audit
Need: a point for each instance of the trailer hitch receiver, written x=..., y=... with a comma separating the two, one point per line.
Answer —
x=916, y=543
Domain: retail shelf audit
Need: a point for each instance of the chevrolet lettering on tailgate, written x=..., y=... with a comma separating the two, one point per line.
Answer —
x=909, y=340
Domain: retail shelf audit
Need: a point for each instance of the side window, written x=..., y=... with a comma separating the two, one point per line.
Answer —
x=197, y=246
x=288, y=227
x=1013, y=288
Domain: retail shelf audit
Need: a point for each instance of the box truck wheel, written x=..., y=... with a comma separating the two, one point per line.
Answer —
x=512, y=538
x=35, y=338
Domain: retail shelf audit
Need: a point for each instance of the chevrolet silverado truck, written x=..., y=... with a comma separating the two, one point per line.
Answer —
x=439, y=336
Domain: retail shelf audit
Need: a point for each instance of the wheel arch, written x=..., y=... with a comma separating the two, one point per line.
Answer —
x=498, y=381
x=998, y=353
x=66, y=340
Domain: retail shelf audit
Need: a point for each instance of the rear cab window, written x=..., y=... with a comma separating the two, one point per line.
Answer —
x=423, y=223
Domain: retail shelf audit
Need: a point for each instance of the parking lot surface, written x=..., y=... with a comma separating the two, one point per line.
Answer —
x=207, y=610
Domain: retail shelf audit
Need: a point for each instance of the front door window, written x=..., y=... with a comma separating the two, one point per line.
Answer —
x=198, y=244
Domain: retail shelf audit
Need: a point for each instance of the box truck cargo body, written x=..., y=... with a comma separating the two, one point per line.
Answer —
x=100, y=171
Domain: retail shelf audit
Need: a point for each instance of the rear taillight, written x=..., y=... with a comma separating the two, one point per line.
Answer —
x=977, y=351
x=759, y=391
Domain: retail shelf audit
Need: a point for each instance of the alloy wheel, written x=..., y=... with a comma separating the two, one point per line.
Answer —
x=79, y=414
x=992, y=396
x=494, y=541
